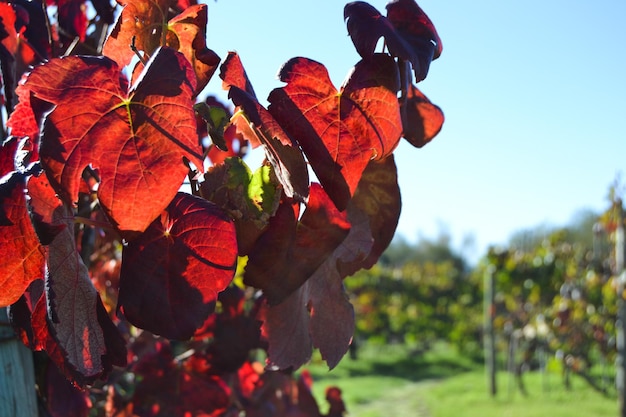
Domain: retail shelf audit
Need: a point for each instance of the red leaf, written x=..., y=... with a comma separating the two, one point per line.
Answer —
x=286, y=158
x=171, y=274
x=233, y=74
x=378, y=199
x=421, y=119
x=137, y=139
x=72, y=306
x=7, y=156
x=141, y=22
x=64, y=399
x=22, y=259
x=409, y=34
x=294, y=251
x=339, y=131
x=72, y=19
x=417, y=29
x=187, y=34
x=42, y=204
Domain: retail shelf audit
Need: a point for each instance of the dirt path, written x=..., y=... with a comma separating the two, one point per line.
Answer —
x=406, y=401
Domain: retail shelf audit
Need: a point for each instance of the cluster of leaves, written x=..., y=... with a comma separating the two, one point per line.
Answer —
x=424, y=298
x=559, y=295
x=98, y=241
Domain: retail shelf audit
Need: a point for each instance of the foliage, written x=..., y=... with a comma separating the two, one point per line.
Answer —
x=101, y=249
x=558, y=296
x=418, y=294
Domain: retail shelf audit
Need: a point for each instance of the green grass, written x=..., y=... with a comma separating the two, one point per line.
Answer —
x=546, y=397
x=390, y=381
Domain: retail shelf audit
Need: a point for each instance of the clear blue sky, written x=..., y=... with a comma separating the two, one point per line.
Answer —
x=534, y=94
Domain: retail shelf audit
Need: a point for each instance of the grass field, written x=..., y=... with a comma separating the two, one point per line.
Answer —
x=390, y=381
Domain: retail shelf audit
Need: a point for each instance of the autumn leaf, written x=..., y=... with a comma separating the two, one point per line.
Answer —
x=318, y=314
x=339, y=131
x=260, y=127
x=7, y=156
x=136, y=138
x=186, y=33
x=418, y=30
x=293, y=250
x=171, y=274
x=421, y=119
x=233, y=74
x=409, y=34
x=23, y=257
x=141, y=23
x=377, y=198
x=76, y=341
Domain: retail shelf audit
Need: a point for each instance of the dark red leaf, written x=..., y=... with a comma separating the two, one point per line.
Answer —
x=64, y=399
x=72, y=305
x=408, y=32
x=294, y=250
x=137, y=139
x=23, y=257
x=421, y=119
x=378, y=199
x=171, y=274
x=7, y=156
x=417, y=29
x=339, y=131
x=72, y=15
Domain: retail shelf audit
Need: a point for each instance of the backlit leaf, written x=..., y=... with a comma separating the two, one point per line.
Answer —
x=72, y=304
x=421, y=119
x=318, y=314
x=339, y=131
x=171, y=274
x=260, y=127
x=22, y=259
x=250, y=198
x=233, y=74
x=187, y=34
x=417, y=29
x=378, y=199
x=409, y=34
x=137, y=138
x=294, y=250
x=141, y=22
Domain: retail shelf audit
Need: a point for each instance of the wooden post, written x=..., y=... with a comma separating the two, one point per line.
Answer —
x=489, y=335
x=17, y=375
x=620, y=325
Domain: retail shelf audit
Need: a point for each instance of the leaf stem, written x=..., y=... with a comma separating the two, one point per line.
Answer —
x=142, y=58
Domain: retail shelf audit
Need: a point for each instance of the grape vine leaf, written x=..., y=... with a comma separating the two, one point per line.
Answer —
x=171, y=273
x=421, y=119
x=140, y=23
x=418, y=30
x=23, y=256
x=409, y=34
x=258, y=126
x=137, y=138
x=293, y=250
x=339, y=131
x=378, y=198
x=318, y=314
x=186, y=33
x=79, y=337
x=250, y=198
